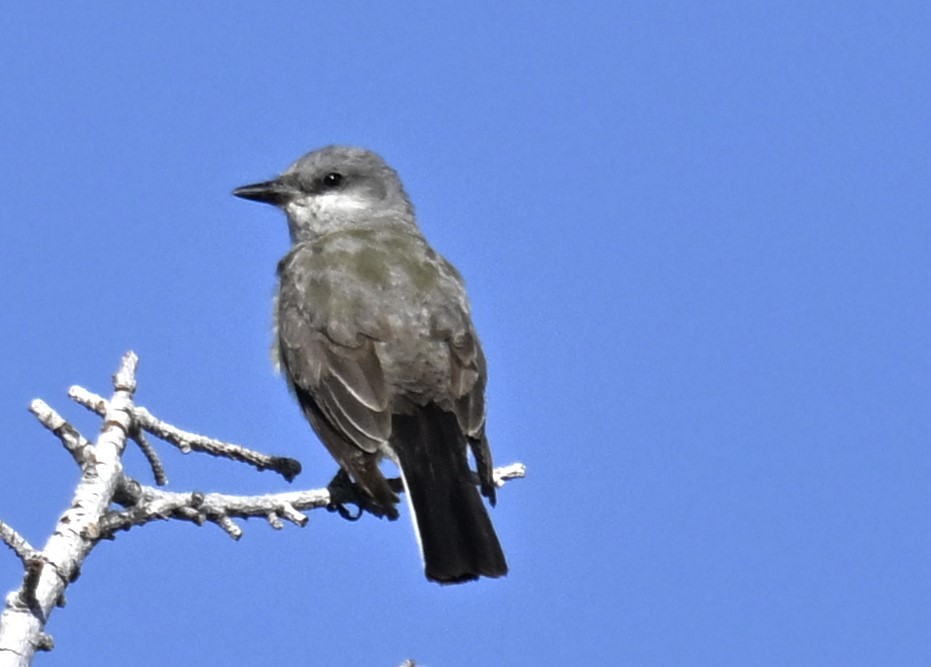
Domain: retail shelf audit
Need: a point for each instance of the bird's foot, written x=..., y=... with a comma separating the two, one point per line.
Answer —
x=351, y=502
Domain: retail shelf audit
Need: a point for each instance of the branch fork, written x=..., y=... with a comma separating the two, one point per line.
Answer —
x=107, y=501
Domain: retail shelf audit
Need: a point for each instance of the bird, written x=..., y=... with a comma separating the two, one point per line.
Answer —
x=376, y=341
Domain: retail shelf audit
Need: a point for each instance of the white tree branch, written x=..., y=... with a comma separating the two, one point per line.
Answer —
x=145, y=504
x=107, y=501
x=23, y=620
x=20, y=546
x=187, y=441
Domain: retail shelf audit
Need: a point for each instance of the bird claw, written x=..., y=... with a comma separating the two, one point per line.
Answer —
x=345, y=512
x=345, y=493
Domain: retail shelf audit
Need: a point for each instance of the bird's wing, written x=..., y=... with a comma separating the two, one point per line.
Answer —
x=467, y=389
x=339, y=384
x=465, y=394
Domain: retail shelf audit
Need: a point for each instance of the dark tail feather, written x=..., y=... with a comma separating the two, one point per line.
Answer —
x=456, y=536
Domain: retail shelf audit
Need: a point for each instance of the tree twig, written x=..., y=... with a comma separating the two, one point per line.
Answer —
x=155, y=463
x=71, y=439
x=17, y=543
x=187, y=441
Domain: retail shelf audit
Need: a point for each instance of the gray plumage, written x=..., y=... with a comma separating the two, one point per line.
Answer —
x=375, y=338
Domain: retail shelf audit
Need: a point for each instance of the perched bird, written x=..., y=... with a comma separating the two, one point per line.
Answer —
x=376, y=340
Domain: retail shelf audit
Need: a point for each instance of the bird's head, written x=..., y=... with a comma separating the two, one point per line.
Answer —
x=335, y=188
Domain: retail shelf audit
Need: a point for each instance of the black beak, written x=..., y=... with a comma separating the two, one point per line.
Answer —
x=269, y=192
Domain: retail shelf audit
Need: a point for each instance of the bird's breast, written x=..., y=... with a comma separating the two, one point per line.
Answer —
x=391, y=288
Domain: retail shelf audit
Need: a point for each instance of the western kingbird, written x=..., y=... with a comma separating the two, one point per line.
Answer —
x=376, y=340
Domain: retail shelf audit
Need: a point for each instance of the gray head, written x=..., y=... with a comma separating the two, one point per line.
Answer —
x=333, y=188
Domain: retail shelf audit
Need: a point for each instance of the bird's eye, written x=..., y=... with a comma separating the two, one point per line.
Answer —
x=332, y=180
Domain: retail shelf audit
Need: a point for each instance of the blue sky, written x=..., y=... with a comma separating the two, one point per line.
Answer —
x=696, y=238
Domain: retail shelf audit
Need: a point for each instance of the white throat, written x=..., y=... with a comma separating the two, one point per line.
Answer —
x=324, y=213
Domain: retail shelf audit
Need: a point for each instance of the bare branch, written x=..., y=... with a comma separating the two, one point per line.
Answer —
x=76, y=444
x=155, y=463
x=22, y=623
x=20, y=546
x=187, y=441
x=145, y=504
x=155, y=504
x=509, y=472
x=124, y=380
x=92, y=515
